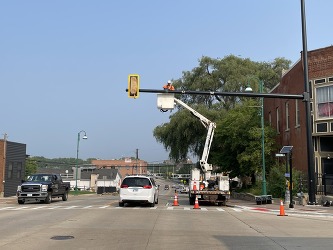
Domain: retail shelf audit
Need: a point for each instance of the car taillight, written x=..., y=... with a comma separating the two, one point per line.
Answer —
x=124, y=186
x=147, y=186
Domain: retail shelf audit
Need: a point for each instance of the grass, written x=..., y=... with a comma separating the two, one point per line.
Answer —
x=79, y=192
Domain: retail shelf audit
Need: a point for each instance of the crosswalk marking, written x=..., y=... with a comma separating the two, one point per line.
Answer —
x=90, y=207
x=35, y=208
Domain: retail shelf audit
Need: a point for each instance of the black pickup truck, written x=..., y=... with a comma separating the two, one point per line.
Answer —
x=42, y=188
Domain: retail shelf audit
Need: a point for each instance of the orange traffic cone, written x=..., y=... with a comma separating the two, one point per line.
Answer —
x=196, y=203
x=194, y=186
x=175, y=200
x=282, y=213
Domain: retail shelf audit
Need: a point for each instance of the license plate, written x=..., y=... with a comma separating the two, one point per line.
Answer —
x=29, y=194
x=135, y=190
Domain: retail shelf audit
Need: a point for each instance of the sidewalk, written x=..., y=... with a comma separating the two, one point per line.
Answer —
x=8, y=200
x=276, y=206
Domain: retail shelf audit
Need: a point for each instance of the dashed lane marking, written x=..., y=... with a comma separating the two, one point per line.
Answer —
x=104, y=207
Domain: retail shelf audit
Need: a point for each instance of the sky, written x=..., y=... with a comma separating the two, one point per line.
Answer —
x=64, y=64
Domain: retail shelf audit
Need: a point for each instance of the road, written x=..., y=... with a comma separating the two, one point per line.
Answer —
x=97, y=222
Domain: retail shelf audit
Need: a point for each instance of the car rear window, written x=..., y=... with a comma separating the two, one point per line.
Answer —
x=136, y=182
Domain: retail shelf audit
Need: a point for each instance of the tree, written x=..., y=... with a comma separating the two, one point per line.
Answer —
x=237, y=148
x=30, y=167
x=184, y=134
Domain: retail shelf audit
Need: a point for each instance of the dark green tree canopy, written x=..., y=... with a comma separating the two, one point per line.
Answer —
x=236, y=145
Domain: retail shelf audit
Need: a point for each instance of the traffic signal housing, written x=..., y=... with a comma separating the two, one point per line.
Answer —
x=133, y=86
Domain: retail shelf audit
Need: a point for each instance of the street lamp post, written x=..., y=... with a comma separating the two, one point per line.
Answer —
x=77, y=155
x=249, y=89
x=264, y=192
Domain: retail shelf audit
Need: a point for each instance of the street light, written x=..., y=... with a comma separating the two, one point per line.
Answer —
x=77, y=155
x=249, y=89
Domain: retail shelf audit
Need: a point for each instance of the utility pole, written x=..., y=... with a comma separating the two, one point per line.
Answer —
x=4, y=165
x=137, y=158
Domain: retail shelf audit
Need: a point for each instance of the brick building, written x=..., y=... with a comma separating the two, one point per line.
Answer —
x=126, y=166
x=288, y=117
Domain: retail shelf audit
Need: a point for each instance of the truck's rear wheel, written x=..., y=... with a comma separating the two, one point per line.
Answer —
x=48, y=199
x=65, y=196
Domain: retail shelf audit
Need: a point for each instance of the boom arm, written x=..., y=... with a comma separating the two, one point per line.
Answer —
x=210, y=126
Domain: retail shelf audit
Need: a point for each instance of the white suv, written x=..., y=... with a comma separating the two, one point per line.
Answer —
x=138, y=189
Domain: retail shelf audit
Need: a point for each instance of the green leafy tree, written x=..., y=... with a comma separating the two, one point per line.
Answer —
x=238, y=141
x=184, y=135
x=30, y=167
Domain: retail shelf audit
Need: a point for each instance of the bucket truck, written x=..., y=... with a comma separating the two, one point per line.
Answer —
x=213, y=188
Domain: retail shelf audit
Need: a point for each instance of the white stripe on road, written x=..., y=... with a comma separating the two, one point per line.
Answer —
x=35, y=208
x=220, y=209
x=70, y=207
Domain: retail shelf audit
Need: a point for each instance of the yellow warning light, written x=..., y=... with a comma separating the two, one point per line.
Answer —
x=133, y=86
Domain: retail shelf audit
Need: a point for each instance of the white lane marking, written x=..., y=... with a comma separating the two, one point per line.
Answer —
x=7, y=208
x=20, y=208
x=70, y=207
x=187, y=208
x=104, y=207
x=220, y=209
x=86, y=207
x=153, y=208
x=54, y=207
x=35, y=208
x=170, y=208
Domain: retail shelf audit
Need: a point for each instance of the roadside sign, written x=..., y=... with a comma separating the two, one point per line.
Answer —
x=287, y=175
x=279, y=155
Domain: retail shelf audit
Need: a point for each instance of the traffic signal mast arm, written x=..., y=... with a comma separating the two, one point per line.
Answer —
x=210, y=126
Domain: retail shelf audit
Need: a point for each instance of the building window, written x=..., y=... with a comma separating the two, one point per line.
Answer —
x=297, y=114
x=10, y=170
x=319, y=81
x=277, y=121
x=19, y=170
x=287, y=115
x=321, y=127
x=324, y=102
x=326, y=143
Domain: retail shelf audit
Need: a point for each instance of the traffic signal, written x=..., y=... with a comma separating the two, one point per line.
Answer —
x=133, y=86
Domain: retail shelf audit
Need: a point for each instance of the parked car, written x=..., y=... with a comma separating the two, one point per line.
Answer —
x=138, y=189
x=166, y=187
x=42, y=188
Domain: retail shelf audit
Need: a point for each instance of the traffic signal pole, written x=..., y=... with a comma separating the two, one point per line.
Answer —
x=241, y=94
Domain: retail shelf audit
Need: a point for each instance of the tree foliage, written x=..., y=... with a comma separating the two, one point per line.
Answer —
x=238, y=141
x=236, y=146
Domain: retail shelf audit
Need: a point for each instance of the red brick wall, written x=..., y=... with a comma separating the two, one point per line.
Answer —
x=320, y=64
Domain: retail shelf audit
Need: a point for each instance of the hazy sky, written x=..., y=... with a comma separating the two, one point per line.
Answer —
x=64, y=64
